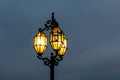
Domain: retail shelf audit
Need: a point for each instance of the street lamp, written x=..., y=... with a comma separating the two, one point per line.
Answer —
x=57, y=40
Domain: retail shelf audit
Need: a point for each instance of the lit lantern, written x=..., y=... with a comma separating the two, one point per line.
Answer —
x=40, y=42
x=56, y=38
x=64, y=46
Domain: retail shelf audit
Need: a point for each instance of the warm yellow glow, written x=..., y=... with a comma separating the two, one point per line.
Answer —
x=40, y=42
x=64, y=47
x=56, y=38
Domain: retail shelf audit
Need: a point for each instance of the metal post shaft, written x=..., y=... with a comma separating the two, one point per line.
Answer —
x=52, y=67
x=52, y=72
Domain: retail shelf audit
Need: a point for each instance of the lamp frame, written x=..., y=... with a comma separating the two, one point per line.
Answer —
x=54, y=57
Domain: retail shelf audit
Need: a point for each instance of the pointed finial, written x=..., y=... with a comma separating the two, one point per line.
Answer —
x=53, y=16
x=52, y=13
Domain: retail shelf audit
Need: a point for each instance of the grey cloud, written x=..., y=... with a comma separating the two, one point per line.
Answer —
x=92, y=28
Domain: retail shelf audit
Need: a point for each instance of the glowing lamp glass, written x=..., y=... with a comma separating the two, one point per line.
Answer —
x=40, y=42
x=64, y=47
x=56, y=38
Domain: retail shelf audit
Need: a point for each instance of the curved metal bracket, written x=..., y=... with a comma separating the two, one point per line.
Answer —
x=54, y=59
x=60, y=58
x=45, y=60
x=50, y=23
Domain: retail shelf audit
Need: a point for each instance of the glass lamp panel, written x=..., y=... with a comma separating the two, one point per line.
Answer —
x=56, y=38
x=63, y=48
x=40, y=42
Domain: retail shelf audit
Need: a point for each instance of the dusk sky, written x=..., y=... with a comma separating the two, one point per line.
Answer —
x=91, y=26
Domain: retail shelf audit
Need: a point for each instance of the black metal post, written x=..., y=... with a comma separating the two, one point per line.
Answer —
x=52, y=67
x=52, y=72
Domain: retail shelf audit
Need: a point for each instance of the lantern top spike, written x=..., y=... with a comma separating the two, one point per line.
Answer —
x=53, y=21
x=53, y=16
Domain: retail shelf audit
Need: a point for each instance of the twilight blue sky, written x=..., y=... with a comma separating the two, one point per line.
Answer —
x=92, y=27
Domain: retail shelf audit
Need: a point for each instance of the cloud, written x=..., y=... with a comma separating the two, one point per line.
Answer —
x=92, y=28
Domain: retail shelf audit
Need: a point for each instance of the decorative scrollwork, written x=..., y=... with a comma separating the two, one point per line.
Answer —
x=45, y=60
x=47, y=25
x=56, y=63
x=60, y=58
x=54, y=58
x=50, y=23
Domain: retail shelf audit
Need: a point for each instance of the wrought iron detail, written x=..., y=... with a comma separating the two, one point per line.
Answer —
x=49, y=24
x=54, y=59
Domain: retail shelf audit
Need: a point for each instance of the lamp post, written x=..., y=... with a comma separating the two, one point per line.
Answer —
x=57, y=40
